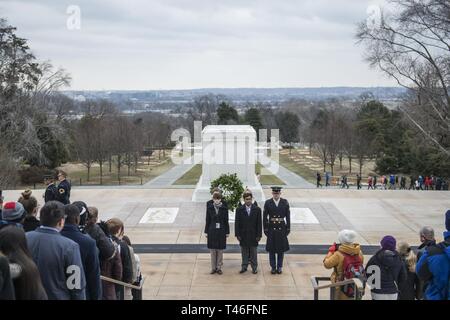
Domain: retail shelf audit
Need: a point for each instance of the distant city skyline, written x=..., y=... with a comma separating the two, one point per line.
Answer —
x=176, y=45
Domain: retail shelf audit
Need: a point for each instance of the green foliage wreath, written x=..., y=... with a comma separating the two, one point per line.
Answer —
x=232, y=189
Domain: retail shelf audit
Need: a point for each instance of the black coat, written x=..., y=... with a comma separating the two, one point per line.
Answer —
x=393, y=272
x=248, y=229
x=63, y=192
x=217, y=236
x=277, y=232
x=104, y=244
x=50, y=193
x=31, y=223
x=6, y=284
x=409, y=289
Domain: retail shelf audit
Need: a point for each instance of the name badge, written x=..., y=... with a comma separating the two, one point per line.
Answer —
x=217, y=225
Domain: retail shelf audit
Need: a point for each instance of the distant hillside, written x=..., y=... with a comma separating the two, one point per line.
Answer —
x=167, y=99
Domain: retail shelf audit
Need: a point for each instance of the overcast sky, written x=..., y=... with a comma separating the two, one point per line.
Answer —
x=184, y=44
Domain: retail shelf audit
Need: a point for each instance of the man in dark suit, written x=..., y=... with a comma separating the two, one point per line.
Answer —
x=277, y=225
x=248, y=230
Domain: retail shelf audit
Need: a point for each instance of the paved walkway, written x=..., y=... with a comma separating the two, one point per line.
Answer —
x=168, y=178
x=291, y=179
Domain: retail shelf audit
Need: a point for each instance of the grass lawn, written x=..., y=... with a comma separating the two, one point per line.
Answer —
x=297, y=168
x=144, y=173
x=268, y=179
x=310, y=164
x=192, y=176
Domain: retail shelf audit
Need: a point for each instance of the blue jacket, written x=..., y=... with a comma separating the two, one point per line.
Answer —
x=56, y=256
x=434, y=267
x=89, y=257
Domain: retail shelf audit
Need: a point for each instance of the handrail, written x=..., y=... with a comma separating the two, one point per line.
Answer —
x=124, y=283
x=359, y=287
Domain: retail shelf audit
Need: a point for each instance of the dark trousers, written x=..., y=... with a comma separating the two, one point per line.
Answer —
x=276, y=259
x=249, y=256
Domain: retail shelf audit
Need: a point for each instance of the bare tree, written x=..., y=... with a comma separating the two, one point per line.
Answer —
x=411, y=44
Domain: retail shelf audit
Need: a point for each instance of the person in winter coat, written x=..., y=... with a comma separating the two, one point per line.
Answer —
x=132, y=294
x=104, y=244
x=342, y=256
x=111, y=268
x=427, y=239
x=248, y=231
x=24, y=272
x=13, y=213
x=409, y=289
x=30, y=204
x=434, y=267
x=6, y=284
x=88, y=251
x=57, y=258
x=391, y=270
x=217, y=230
x=116, y=228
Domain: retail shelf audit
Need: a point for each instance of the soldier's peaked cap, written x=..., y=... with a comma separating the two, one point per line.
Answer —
x=276, y=189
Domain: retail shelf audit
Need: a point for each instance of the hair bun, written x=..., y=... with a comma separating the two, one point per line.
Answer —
x=26, y=194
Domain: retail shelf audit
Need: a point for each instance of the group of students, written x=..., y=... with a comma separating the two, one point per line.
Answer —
x=393, y=182
x=63, y=255
x=395, y=271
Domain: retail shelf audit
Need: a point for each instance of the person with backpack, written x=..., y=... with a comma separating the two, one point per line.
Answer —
x=434, y=267
x=347, y=261
x=390, y=270
x=318, y=179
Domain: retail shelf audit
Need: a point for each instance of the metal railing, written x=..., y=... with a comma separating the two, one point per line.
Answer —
x=359, y=287
x=124, y=284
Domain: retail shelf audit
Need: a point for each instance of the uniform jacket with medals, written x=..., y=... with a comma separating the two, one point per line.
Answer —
x=277, y=225
x=63, y=194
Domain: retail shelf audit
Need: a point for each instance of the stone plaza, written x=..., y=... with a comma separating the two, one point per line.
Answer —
x=166, y=229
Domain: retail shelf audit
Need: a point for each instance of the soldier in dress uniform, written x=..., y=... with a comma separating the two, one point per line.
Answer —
x=63, y=192
x=277, y=225
x=51, y=190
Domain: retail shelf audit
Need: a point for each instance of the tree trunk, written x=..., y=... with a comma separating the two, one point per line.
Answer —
x=360, y=167
x=101, y=171
x=135, y=162
x=118, y=167
x=89, y=171
x=159, y=154
x=128, y=163
x=350, y=164
x=110, y=163
x=332, y=169
x=340, y=162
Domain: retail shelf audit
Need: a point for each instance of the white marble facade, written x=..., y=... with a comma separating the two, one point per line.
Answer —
x=226, y=150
